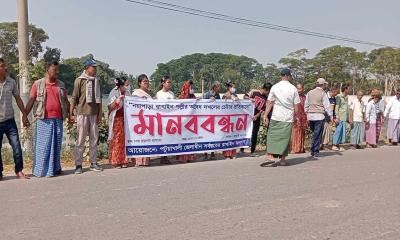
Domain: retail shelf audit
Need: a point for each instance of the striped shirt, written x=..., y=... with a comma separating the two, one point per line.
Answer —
x=8, y=89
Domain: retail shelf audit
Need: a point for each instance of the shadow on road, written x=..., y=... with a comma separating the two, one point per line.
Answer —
x=293, y=159
x=300, y=160
x=6, y=178
x=329, y=154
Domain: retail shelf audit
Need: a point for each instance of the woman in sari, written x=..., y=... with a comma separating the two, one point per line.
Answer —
x=187, y=93
x=116, y=135
x=300, y=125
x=142, y=92
x=371, y=118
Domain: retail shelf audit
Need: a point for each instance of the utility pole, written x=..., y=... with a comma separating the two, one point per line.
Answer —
x=23, y=47
x=202, y=86
x=202, y=81
x=23, y=58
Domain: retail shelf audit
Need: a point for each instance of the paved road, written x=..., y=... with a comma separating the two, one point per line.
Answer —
x=355, y=195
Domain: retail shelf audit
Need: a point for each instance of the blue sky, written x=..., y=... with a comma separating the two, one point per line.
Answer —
x=135, y=38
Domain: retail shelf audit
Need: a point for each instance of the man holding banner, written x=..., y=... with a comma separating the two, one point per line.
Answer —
x=259, y=97
x=285, y=100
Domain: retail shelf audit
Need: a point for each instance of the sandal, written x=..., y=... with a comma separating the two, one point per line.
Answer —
x=267, y=163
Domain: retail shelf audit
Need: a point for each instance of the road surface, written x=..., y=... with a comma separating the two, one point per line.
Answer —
x=351, y=195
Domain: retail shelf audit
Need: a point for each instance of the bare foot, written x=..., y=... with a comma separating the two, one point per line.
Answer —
x=22, y=175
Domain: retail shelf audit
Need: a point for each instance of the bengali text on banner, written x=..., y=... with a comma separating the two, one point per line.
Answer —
x=175, y=127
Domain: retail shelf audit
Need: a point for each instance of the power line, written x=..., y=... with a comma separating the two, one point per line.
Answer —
x=243, y=21
x=223, y=17
x=260, y=24
x=274, y=26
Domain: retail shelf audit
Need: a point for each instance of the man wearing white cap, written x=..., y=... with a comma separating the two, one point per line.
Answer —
x=316, y=105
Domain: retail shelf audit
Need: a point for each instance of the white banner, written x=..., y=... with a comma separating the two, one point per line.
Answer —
x=175, y=127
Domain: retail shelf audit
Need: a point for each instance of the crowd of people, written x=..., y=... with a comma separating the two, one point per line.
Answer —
x=325, y=113
x=286, y=110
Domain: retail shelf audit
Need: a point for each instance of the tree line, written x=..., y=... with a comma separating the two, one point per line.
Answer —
x=337, y=64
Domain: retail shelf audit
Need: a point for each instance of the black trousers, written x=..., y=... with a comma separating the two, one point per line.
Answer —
x=317, y=127
x=254, y=134
x=9, y=128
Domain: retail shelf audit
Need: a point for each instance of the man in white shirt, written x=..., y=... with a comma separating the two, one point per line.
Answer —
x=316, y=105
x=285, y=100
x=392, y=113
x=356, y=119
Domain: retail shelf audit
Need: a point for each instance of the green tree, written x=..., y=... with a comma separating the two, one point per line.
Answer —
x=72, y=68
x=385, y=65
x=335, y=64
x=9, y=41
x=297, y=62
x=245, y=72
x=52, y=54
x=36, y=71
x=272, y=73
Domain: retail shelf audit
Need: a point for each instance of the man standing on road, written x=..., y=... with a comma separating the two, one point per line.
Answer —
x=8, y=126
x=316, y=105
x=392, y=113
x=86, y=98
x=342, y=115
x=259, y=97
x=50, y=99
x=285, y=100
x=327, y=133
x=356, y=116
